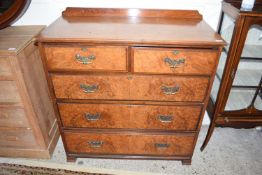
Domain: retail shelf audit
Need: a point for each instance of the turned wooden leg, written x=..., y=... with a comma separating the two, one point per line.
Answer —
x=70, y=159
x=186, y=162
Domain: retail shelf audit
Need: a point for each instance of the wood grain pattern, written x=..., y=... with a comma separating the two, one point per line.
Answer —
x=118, y=12
x=13, y=117
x=14, y=39
x=129, y=98
x=5, y=69
x=37, y=92
x=130, y=143
x=9, y=93
x=129, y=116
x=109, y=87
x=134, y=87
x=106, y=58
x=17, y=138
x=151, y=60
x=28, y=125
x=134, y=31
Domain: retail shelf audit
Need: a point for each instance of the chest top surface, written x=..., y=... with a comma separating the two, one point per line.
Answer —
x=131, y=26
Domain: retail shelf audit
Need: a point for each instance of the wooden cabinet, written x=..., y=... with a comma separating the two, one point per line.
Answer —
x=28, y=126
x=236, y=96
x=134, y=85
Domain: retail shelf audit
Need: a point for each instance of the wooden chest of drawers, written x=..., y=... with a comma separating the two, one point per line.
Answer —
x=129, y=83
x=28, y=126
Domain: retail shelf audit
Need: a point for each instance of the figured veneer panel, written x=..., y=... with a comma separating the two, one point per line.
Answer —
x=152, y=60
x=129, y=116
x=86, y=58
x=136, y=144
x=128, y=102
x=108, y=87
x=135, y=87
x=156, y=88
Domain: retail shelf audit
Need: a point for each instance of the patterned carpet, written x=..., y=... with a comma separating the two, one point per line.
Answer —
x=13, y=169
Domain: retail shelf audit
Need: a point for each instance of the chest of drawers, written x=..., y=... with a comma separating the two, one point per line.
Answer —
x=129, y=83
x=28, y=126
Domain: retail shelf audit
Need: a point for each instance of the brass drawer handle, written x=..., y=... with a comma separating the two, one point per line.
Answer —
x=170, y=90
x=92, y=117
x=162, y=145
x=165, y=118
x=89, y=88
x=174, y=63
x=85, y=59
x=95, y=144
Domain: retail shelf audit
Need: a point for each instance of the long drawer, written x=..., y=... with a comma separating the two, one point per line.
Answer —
x=86, y=58
x=174, y=60
x=9, y=93
x=13, y=117
x=134, y=87
x=5, y=68
x=129, y=116
x=17, y=138
x=135, y=144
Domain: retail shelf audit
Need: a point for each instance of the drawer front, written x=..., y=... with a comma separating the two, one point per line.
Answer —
x=91, y=87
x=9, y=92
x=129, y=116
x=126, y=87
x=17, y=138
x=83, y=58
x=13, y=117
x=5, y=69
x=174, y=61
x=136, y=144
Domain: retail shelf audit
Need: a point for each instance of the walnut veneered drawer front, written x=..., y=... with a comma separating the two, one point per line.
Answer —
x=5, y=69
x=13, y=117
x=131, y=87
x=129, y=116
x=174, y=60
x=9, y=93
x=86, y=58
x=136, y=144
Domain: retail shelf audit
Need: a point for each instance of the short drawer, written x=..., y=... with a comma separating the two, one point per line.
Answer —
x=136, y=144
x=13, y=117
x=5, y=69
x=17, y=138
x=85, y=58
x=127, y=87
x=129, y=116
x=9, y=93
x=174, y=61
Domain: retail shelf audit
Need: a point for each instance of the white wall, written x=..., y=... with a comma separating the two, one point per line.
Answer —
x=44, y=12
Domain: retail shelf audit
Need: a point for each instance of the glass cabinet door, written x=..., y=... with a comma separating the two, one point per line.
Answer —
x=226, y=31
x=246, y=89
